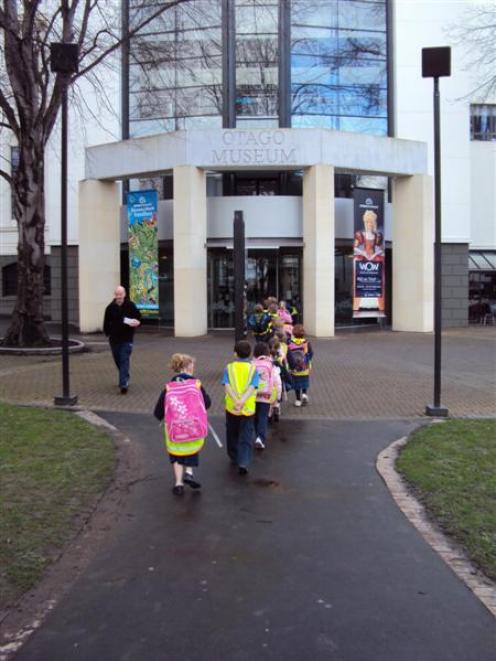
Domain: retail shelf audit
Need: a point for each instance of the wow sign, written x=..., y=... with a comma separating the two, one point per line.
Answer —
x=368, y=254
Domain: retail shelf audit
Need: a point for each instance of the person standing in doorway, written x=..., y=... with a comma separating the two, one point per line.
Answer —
x=121, y=318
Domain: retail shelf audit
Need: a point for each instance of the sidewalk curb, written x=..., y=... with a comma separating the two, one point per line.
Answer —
x=481, y=586
x=26, y=616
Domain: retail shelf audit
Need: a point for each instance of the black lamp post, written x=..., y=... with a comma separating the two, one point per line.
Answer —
x=64, y=61
x=239, y=275
x=436, y=62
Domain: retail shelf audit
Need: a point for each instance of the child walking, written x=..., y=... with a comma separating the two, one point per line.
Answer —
x=240, y=382
x=283, y=380
x=268, y=390
x=300, y=356
x=183, y=408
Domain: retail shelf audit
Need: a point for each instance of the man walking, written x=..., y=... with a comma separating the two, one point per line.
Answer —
x=121, y=318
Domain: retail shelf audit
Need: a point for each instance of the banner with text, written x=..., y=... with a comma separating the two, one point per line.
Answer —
x=142, y=210
x=369, y=252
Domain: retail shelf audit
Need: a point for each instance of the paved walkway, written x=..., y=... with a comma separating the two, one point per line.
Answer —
x=357, y=375
x=305, y=559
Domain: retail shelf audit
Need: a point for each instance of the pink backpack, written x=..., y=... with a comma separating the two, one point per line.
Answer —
x=185, y=412
x=266, y=386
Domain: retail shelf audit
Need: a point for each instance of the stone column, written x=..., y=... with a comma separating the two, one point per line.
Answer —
x=318, y=251
x=99, y=250
x=190, y=252
x=413, y=254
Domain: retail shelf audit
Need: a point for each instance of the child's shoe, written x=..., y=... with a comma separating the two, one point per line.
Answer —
x=191, y=482
x=297, y=402
x=304, y=399
x=178, y=490
x=259, y=444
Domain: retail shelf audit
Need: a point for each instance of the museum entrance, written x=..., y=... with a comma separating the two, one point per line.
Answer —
x=269, y=272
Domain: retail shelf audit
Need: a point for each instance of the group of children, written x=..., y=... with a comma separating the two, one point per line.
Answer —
x=254, y=389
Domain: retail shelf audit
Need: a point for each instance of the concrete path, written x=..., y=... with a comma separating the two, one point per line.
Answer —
x=357, y=375
x=307, y=558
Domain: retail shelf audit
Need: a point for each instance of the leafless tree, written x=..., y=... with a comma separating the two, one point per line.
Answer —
x=476, y=33
x=30, y=98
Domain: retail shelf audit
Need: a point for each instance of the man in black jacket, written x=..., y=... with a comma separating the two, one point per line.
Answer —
x=121, y=318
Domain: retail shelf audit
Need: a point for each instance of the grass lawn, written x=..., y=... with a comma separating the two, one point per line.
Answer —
x=452, y=467
x=53, y=465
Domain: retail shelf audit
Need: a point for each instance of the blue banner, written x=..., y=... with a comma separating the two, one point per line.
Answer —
x=142, y=211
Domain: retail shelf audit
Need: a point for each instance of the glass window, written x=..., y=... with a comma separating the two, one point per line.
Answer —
x=257, y=53
x=483, y=121
x=175, y=75
x=338, y=65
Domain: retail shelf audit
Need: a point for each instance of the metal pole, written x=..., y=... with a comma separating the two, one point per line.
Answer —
x=239, y=275
x=437, y=410
x=65, y=399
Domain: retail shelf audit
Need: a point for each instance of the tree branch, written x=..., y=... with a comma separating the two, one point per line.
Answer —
x=6, y=176
x=126, y=38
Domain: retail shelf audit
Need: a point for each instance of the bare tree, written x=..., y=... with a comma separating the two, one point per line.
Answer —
x=30, y=97
x=476, y=32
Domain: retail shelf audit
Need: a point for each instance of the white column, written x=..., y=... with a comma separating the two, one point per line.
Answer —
x=99, y=250
x=318, y=251
x=413, y=254
x=190, y=252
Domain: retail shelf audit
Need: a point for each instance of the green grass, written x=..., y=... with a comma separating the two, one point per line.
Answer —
x=452, y=467
x=53, y=465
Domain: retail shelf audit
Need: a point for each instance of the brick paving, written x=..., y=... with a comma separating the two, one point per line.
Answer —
x=378, y=374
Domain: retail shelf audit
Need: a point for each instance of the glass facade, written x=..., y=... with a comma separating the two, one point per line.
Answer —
x=238, y=63
x=175, y=67
x=339, y=65
x=257, y=56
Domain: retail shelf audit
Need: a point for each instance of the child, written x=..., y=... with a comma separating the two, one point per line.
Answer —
x=260, y=324
x=284, y=314
x=300, y=356
x=267, y=391
x=281, y=373
x=240, y=382
x=183, y=454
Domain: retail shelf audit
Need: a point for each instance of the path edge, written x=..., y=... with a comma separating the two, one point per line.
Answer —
x=452, y=554
x=26, y=616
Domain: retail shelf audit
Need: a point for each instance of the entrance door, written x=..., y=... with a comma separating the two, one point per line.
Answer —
x=261, y=276
x=270, y=272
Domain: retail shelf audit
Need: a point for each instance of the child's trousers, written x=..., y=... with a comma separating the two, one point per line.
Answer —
x=240, y=430
x=262, y=420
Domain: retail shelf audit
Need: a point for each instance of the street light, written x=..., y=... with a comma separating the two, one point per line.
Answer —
x=436, y=62
x=64, y=61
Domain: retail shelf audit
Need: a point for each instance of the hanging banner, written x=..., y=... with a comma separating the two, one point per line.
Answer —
x=142, y=208
x=369, y=252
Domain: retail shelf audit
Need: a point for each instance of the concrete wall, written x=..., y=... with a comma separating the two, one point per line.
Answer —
x=265, y=216
x=454, y=292
x=483, y=195
x=416, y=25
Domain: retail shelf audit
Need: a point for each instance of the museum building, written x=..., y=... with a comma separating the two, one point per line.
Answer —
x=282, y=110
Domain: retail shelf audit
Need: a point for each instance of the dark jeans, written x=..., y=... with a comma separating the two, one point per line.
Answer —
x=262, y=420
x=299, y=392
x=239, y=438
x=121, y=353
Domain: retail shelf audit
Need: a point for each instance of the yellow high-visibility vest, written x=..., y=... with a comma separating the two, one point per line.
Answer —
x=240, y=375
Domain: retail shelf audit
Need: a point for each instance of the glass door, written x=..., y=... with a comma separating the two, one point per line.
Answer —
x=220, y=288
x=269, y=272
x=261, y=276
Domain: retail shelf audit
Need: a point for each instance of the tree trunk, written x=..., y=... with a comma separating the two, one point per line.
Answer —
x=27, y=328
